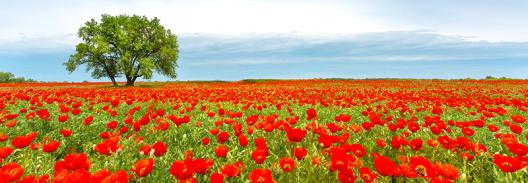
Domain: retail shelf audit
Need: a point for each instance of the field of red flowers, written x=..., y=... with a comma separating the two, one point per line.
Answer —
x=274, y=131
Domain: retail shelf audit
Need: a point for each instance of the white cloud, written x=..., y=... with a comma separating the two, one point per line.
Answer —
x=486, y=20
x=38, y=18
x=282, y=49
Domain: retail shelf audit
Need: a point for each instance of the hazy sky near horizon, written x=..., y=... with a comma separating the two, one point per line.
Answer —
x=234, y=39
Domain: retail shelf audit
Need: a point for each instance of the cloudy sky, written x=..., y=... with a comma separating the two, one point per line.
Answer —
x=231, y=40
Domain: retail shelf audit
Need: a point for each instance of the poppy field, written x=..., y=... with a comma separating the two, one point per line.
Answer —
x=266, y=131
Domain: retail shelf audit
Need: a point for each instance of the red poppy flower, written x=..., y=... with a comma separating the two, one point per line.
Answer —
x=346, y=176
x=295, y=135
x=216, y=177
x=60, y=174
x=181, y=170
x=5, y=152
x=437, y=110
x=523, y=160
x=333, y=127
x=11, y=172
x=343, y=118
x=326, y=140
x=518, y=149
x=221, y=151
x=506, y=163
x=243, y=140
x=43, y=114
x=516, y=129
x=211, y=114
x=73, y=162
x=518, y=118
x=447, y=171
x=259, y=155
x=237, y=128
x=358, y=150
x=416, y=144
x=76, y=111
x=260, y=143
x=340, y=159
x=51, y=146
x=34, y=146
x=300, y=153
x=98, y=176
x=122, y=130
x=413, y=127
x=381, y=143
x=223, y=137
x=43, y=179
x=159, y=149
x=467, y=156
x=311, y=114
x=143, y=167
x=287, y=164
x=316, y=161
x=367, y=175
x=11, y=116
x=160, y=112
x=111, y=125
x=214, y=131
x=493, y=128
x=87, y=120
x=405, y=170
x=468, y=131
x=120, y=176
x=63, y=118
x=445, y=141
x=108, y=146
x=432, y=143
x=230, y=170
x=66, y=132
x=205, y=141
x=384, y=166
x=201, y=165
x=261, y=176
x=28, y=179
x=3, y=137
x=398, y=141
x=24, y=140
x=221, y=112
x=145, y=150
x=423, y=167
x=11, y=124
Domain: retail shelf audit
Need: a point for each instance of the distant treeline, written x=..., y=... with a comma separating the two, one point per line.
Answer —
x=7, y=77
x=354, y=79
x=486, y=78
x=498, y=78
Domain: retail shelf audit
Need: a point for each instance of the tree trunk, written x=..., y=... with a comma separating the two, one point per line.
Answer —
x=130, y=82
x=113, y=81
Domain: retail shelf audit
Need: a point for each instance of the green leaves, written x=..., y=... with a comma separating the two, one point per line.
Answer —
x=133, y=46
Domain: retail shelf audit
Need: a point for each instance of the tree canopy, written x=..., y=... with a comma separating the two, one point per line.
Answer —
x=130, y=46
x=7, y=77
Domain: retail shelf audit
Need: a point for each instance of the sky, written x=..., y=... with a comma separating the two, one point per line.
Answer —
x=287, y=39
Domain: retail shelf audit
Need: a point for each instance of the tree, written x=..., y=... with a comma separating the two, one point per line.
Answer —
x=6, y=77
x=130, y=46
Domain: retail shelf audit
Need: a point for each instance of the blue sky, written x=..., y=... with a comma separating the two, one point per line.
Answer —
x=232, y=40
